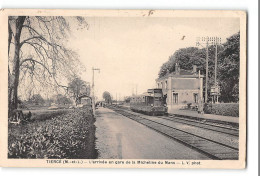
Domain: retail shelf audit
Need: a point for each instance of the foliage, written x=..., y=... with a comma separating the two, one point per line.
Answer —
x=79, y=88
x=107, y=97
x=70, y=135
x=36, y=99
x=228, y=66
x=49, y=101
x=229, y=69
x=185, y=57
x=225, y=109
x=39, y=55
x=62, y=100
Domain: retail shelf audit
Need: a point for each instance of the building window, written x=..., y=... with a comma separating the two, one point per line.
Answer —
x=166, y=85
x=195, y=95
x=165, y=99
x=158, y=85
x=175, y=98
x=162, y=84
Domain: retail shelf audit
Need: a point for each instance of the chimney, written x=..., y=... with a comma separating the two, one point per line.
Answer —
x=177, y=69
x=194, y=70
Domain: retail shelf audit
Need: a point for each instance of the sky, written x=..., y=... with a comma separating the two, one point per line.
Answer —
x=129, y=51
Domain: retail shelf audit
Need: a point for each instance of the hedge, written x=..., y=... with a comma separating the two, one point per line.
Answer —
x=70, y=135
x=225, y=109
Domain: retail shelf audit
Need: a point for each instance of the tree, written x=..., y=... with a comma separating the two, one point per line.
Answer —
x=229, y=69
x=62, y=100
x=79, y=88
x=36, y=99
x=107, y=97
x=228, y=66
x=49, y=101
x=187, y=57
x=39, y=52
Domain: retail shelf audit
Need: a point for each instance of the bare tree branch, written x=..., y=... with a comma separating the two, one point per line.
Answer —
x=35, y=61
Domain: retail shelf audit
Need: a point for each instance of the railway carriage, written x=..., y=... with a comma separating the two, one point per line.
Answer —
x=85, y=102
x=151, y=102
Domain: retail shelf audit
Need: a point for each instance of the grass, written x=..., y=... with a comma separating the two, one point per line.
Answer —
x=54, y=134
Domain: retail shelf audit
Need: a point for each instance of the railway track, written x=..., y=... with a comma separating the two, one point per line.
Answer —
x=220, y=128
x=212, y=127
x=213, y=149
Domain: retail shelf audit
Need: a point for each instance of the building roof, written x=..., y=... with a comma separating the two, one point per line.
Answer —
x=182, y=74
x=146, y=94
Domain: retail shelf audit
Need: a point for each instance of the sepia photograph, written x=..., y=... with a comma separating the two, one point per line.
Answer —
x=123, y=88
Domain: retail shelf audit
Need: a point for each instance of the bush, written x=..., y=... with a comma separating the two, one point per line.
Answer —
x=70, y=135
x=225, y=109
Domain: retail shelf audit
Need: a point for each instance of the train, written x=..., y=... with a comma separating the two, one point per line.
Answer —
x=151, y=102
x=84, y=102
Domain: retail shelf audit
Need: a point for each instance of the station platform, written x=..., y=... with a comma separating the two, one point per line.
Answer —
x=209, y=117
x=196, y=115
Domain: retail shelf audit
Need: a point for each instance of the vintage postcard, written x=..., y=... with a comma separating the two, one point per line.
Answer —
x=123, y=88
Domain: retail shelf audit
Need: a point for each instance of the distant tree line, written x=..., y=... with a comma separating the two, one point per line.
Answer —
x=38, y=100
x=76, y=89
x=227, y=67
x=107, y=97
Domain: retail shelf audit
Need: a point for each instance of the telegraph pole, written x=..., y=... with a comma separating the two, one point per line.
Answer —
x=198, y=43
x=200, y=101
x=116, y=98
x=207, y=70
x=210, y=41
x=216, y=60
x=93, y=92
x=215, y=97
x=217, y=41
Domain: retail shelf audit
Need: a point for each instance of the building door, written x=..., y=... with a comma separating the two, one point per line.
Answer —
x=165, y=99
x=195, y=95
x=175, y=98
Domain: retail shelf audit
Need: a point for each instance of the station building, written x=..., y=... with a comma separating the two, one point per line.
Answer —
x=181, y=87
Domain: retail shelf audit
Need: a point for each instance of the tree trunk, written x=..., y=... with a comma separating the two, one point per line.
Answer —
x=9, y=37
x=16, y=68
x=9, y=73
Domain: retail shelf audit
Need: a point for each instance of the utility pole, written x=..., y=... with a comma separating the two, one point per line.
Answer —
x=215, y=97
x=198, y=43
x=216, y=61
x=216, y=42
x=210, y=41
x=116, y=98
x=200, y=101
x=207, y=70
x=93, y=92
